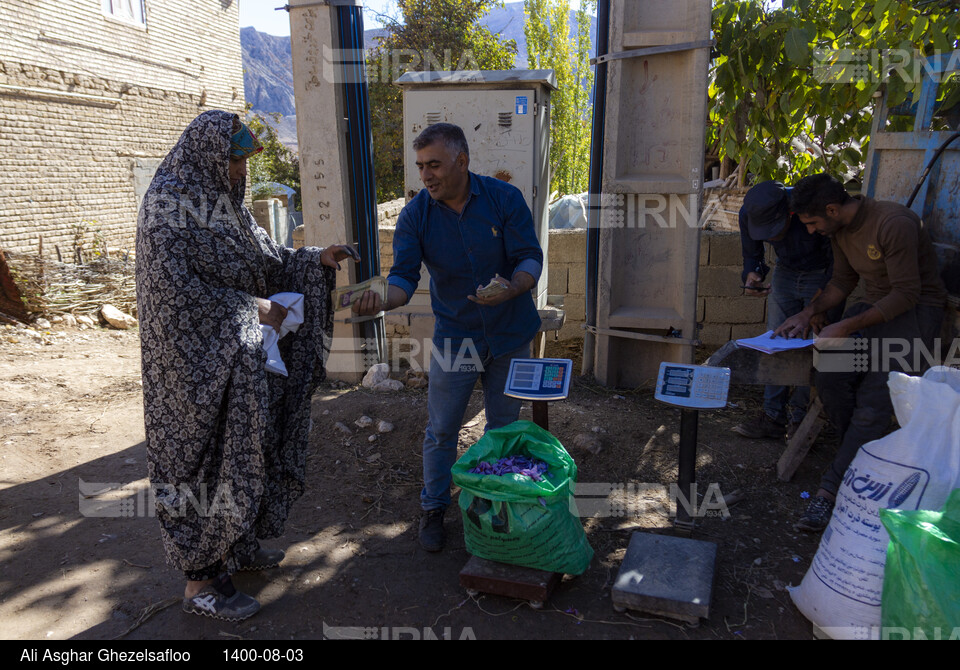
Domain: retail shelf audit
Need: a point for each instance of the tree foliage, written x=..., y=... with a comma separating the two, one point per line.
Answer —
x=276, y=163
x=429, y=35
x=793, y=86
x=549, y=46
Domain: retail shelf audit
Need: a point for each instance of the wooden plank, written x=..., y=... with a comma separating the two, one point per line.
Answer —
x=512, y=581
x=800, y=443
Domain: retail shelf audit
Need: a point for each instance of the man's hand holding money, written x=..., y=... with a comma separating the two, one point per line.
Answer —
x=500, y=289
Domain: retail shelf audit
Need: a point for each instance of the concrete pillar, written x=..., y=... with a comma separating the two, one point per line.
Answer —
x=321, y=138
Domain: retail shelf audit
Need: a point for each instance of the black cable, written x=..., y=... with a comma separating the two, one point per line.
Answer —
x=923, y=177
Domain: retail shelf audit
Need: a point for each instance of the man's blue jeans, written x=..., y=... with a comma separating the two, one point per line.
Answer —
x=447, y=399
x=792, y=290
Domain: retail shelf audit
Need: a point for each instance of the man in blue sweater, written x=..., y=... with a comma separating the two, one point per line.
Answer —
x=468, y=230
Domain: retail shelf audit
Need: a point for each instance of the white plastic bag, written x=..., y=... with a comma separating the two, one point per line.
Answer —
x=914, y=467
x=291, y=323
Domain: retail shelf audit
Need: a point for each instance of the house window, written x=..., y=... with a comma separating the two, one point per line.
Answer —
x=129, y=11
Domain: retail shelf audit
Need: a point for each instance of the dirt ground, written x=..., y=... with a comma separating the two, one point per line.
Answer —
x=71, y=430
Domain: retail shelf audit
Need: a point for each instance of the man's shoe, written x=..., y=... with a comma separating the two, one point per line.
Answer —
x=262, y=559
x=431, y=529
x=221, y=600
x=760, y=427
x=817, y=515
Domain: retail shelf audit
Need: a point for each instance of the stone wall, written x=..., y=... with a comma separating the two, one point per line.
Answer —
x=90, y=105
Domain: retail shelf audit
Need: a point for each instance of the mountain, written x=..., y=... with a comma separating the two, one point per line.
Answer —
x=267, y=71
x=268, y=66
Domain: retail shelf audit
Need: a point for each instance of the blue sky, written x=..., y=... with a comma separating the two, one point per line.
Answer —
x=262, y=15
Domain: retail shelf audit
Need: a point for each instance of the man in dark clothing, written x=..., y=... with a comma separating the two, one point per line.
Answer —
x=804, y=262
x=885, y=245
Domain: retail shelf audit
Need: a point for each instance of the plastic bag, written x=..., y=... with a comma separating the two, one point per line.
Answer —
x=921, y=593
x=915, y=467
x=514, y=519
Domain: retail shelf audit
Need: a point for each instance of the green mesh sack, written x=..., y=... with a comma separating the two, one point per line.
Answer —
x=921, y=588
x=514, y=519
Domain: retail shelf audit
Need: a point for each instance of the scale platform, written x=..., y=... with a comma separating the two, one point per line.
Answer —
x=513, y=581
x=667, y=576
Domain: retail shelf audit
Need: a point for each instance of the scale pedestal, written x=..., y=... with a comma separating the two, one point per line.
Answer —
x=541, y=380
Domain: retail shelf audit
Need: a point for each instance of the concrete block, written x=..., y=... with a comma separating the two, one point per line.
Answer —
x=575, y=308
x=567, y=246
x=733, y=310
x=700, y=309
x=741, y=330
x=714, y=334
x=705, y=236
x=719, y=281
x=557, y=284
x=386, y=235
x=571, y=331
x=725, y=249
x=577, y=279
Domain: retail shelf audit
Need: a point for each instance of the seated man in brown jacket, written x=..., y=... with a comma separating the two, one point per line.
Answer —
x=886, y=245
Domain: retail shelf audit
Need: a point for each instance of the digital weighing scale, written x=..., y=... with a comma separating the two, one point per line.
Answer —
x=661, y=574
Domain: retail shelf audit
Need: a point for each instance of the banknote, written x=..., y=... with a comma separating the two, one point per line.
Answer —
x=495, y=287
x=345, y=296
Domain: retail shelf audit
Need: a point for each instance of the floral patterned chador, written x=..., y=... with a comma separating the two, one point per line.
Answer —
x=226, y=440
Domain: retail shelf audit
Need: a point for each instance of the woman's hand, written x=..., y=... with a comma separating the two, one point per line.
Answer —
x=331, y=256
x=271, y=313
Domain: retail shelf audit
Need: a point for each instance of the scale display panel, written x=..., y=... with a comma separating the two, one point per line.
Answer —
x=539, y=378
x=693, y=386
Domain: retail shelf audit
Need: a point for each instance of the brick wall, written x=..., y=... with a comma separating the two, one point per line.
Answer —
x=69, y=159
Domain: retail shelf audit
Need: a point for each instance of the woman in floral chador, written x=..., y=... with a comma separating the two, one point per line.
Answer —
x=226, y=440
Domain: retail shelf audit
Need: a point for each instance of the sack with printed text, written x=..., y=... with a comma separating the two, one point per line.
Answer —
x=913, y=468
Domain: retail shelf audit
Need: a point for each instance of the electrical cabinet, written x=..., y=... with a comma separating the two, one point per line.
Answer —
x=505, y=116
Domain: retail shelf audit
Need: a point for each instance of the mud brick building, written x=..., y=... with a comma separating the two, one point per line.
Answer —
x=93, y=93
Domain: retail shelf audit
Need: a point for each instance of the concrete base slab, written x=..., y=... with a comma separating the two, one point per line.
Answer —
x=667, y=576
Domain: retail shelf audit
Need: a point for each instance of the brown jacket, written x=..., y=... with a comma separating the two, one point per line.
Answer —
x=887, y=245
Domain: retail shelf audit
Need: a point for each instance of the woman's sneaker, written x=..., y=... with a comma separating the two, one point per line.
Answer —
x=221, y=600
x=262, y=559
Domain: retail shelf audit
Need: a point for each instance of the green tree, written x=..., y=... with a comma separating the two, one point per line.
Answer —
x=276, y=163
x=549, y=46
x=793, y=86
x=429, y=35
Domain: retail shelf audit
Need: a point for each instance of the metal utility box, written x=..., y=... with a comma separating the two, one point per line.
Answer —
x=505, y=115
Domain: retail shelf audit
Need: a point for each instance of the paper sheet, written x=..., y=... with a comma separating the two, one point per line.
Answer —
x=773, y=345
